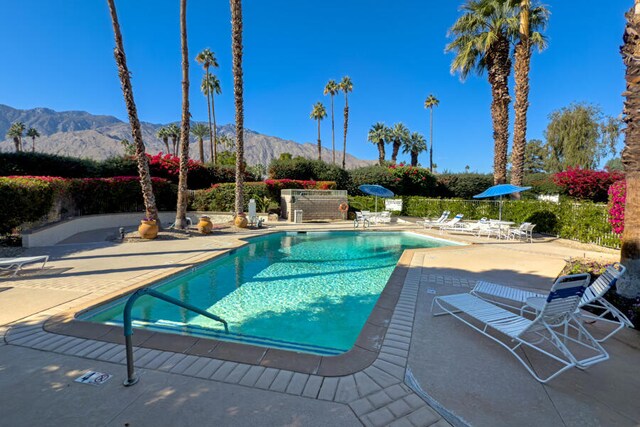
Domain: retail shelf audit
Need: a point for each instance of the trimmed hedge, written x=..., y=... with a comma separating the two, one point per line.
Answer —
x=401, y=179
x=462, y=185
x=221, y=197
x=301, y=168
x=161, y=166
x=30, y=199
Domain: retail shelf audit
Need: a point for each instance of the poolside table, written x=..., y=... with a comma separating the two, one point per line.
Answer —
x=500, y=225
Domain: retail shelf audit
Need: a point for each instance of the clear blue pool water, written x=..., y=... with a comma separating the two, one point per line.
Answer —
x=308, y=292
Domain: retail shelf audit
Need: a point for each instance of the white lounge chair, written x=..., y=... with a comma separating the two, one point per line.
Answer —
x=17, y=263
x=551, y=333
x=592, y=298
x=383, y=217
x=427, y=223
x=453, y=224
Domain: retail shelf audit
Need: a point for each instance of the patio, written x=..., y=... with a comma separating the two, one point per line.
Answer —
x=468, y=379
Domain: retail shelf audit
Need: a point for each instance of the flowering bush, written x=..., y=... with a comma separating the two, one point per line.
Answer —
x=617, y=197
x=586, y=184
x=401, y=179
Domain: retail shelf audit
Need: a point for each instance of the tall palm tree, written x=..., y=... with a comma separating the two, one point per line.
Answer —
x=481, y=42
x=629, y=284
x=163, y=134
x=174, y=133
x=415, y=145
x=431, y=102
x=200, y=131
x=125, y=80
x=399, y=134
x=210, y=87
x=16, y=132
x=183, y=190
x=33, y=134
x=346, y=86
x=236, y=50
x=332, y=88
x=207, y=59
x=318, y=113
x=379, y=135
x=530, y=22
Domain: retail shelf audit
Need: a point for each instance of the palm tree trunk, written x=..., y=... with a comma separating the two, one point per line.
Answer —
x=16, y=142
x=201, y=148
x=431, y=140
x=333, y=134
x=174, y=142
x=346, y=126
x=211, y=154
x=166, y=143
x=215, y=130
x=381, y=153
x=236, y=47
x=499, y=66
x=396, y=148
x=183, y=190
x=151, y=210
x=629, y=284
x=522, y=68
x=414, y=159
x=33, y=144
x=319, y=143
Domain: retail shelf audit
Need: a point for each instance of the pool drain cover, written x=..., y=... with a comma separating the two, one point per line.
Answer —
x=93, y=378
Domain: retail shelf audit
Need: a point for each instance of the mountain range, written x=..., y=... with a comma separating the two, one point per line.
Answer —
x=82, y=134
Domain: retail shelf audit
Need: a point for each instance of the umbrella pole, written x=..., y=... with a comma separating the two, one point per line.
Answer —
x=376, y=204
x=500, y=207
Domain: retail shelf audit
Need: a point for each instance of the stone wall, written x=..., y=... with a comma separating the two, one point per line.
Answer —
x=315, y=204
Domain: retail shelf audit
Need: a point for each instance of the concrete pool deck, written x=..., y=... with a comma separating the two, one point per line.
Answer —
x=472, y=378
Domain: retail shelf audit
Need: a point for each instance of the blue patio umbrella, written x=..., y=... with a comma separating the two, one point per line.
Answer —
x=500, y=190
x=377, y=191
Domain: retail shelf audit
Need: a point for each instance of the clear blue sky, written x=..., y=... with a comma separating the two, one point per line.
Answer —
x=58, y=54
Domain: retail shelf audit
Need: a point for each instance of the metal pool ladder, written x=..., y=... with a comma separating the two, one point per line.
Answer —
x=128, y=328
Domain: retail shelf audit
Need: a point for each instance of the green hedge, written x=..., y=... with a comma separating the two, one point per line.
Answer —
x=300, y=168
x=221, y=197
x=31, y=199
x=462, y=185
x=585, y=222
x=40, y=164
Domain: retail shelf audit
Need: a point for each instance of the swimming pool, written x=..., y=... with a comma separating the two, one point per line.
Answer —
x=307, y=292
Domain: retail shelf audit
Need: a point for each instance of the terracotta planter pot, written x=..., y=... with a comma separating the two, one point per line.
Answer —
x=241, y=221
x=205, y=225
x=148, y=229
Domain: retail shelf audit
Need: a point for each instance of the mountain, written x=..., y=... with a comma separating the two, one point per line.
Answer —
x=81, y=134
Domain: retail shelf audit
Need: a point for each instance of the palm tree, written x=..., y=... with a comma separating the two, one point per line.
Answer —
x=33, y=134
x=200, y=131
x=183, y=190
x=207, y=59
x=15, y=133
x=481, y=42
x=174, y=133
x=379, y=135
x=415, y=145
x=399, y=135
x=629, y=284
x=430, y=103
x=530, y=21
x=125, y=80
x=346, y=85
x=332, y=88
x=163, y=134
x=318, y=113
x=236, y=50
x=210, y=87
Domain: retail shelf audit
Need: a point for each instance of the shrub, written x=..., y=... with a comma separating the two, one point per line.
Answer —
x=26, y=199
x=586, y=184
x=617, y=199
x=545, y=221
x=541, y=183
x=221, y=197
x=401, y=179
x=40, y=164
x=31, y=198
x=462, y=185
x=301, y=168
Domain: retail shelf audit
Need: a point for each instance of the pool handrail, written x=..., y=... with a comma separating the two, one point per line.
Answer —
x=128, y=327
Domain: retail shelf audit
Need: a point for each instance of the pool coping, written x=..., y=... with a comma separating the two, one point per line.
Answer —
x=364, y=352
